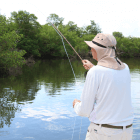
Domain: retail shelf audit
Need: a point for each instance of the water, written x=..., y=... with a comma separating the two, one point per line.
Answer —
x=37, y=105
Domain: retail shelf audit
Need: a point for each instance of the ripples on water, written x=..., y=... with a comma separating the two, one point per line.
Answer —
x=38, y=104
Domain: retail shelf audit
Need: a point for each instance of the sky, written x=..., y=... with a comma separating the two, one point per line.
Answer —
x=111, y=15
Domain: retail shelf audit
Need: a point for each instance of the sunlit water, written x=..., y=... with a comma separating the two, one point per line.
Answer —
x=37, y=105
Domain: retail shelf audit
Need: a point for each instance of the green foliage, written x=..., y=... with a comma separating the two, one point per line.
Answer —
x=8, y=42
x=51, y=42
x=55, y=19
x=48, y=41
x=118, y=34
x=75, y=35
x=44, y=41
x=128, y=46
x=71, y=26
x=81, y=47
x=22, y=32
x=27, y=25
x=93, y=29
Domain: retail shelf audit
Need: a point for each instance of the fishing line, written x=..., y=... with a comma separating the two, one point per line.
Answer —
x=80, y=129
x=74, y=77
x=66, y=53
x=70, y=65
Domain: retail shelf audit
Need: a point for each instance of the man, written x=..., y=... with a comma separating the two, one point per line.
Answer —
x=106, y=96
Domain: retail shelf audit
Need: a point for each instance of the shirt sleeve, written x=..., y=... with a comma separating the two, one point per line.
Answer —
x=85, y=107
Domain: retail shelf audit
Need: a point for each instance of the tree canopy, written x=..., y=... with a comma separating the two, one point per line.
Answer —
x=8, y=43
x=21, y=35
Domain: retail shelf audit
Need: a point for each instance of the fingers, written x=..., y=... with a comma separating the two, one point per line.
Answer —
x=84, y=61
x=87, y=64
x=75, y=101
x=86, y=67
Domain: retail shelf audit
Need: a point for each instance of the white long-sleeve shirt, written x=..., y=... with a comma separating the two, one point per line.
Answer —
x=106, y=97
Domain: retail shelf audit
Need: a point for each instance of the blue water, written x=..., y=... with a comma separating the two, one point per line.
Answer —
x=50, y=115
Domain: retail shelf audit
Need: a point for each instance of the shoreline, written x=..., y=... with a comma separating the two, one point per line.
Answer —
x=30, y=61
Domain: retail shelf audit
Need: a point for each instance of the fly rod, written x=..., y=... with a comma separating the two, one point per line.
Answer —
x=66, y=40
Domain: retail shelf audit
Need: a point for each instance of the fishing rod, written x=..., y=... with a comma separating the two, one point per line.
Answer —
x=68, y=43
x=70, y=64
x=65, y=39
x=60, y=34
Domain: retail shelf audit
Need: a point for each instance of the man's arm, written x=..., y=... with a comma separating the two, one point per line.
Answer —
x=75, y=101
x=85, y=107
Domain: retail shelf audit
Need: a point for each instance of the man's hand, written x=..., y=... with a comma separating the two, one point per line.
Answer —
x=87, y=64
x=75, y=101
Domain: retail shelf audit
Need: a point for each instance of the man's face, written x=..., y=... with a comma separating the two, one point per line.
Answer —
x=94, y=54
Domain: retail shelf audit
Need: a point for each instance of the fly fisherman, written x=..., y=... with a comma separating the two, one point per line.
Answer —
x=106, y=96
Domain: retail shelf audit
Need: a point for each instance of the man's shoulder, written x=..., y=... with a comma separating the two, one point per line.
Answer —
x=98, y=68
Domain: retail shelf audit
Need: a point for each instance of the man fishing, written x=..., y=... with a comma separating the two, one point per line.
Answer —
x=106, y=96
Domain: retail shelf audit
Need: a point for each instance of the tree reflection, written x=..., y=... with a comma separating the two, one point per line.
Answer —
x=133, y=63
x=60, y=75
x=7, y=109
x=14, y=93
x=55, y=75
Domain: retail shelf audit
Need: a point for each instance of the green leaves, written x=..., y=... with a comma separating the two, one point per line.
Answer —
x=22, y=32
x=118, y=34
x=55, y=19
x=128, y=46
x=93, y=29
x=75, y=35
x=8, y=43
x=27, y=25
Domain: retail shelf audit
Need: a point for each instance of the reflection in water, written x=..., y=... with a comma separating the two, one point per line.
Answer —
x=14, y=92
x=133, y=63
x=43, y=114
x=7, y=108
x=41, y=99
x=17, y=91
x=134, y=66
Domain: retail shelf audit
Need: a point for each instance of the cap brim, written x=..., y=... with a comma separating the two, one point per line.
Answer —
x=92, y=45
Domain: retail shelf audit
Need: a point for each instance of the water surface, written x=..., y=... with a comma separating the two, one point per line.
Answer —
x=37, y=105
